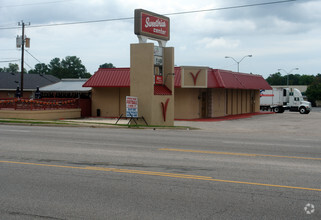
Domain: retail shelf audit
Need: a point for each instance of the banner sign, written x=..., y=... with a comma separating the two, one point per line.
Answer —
x=151, y=25
x=159, y=80
x=131, y=106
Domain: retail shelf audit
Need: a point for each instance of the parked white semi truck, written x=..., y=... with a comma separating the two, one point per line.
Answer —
x=280, y=99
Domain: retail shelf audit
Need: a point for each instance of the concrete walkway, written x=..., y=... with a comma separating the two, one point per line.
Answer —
x=178, y=122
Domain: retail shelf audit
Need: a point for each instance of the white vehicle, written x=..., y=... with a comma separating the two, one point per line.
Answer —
x=280, y=99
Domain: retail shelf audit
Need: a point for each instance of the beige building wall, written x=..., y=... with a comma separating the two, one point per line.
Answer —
x=244, y=101
x=41, y=114
x=219, y=102
x=157, y=112
x=257, y=101
x=111, y=101
x=187, y=104
x=234, y=102
x=189, y=73
x=142, y=84
x=169, y=78
x=141, y=77
x=248, y=101
x=229, y=97
x=239, y=101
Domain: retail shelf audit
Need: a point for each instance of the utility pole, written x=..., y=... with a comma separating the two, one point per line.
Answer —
x=23, y=40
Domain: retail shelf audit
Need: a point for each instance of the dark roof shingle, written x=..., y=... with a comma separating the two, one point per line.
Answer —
x=10, y=81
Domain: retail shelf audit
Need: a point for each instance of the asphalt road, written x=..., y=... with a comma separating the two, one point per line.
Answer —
x=229, y=170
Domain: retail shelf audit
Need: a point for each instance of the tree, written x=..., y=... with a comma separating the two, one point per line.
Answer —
x=297, y=79
x=40, y=69
x=55, y=68
x=276, y=79
x=12, y=68
x=306, y=79
x=73, y=68
x=294, y=79
x=70, y=67
x=107, y=65
x=314, y=90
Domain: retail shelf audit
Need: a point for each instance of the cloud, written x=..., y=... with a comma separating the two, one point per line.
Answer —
x=279, y=34
x=221, y=43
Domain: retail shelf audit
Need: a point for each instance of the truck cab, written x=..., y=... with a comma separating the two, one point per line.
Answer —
x=294, y=101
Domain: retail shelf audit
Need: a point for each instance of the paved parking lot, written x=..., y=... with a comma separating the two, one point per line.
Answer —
x=287, y=123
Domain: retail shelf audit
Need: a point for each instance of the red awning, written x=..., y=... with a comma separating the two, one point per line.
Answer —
x=120, y=77
x=250, y=81
x=161, y=90
x=231, y=80
x=110, y=77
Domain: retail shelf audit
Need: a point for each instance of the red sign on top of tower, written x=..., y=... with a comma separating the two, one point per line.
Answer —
x=152, y=25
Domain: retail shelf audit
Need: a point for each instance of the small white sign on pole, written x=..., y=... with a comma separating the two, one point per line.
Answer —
x=131, y=106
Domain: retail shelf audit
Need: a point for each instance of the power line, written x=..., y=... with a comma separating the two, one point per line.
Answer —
x=82, y=22
x=32, y=56
x=28, y=65
x=231, y=7
x=8, y=61
x=167, y=14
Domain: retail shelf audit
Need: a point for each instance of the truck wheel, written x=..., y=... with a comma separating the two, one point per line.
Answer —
x=302, y=110
x=277, y=110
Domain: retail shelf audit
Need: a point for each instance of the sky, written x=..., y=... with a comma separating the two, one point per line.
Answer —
x=278, y=36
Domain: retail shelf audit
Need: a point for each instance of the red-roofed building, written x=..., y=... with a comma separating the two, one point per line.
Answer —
x=200, y=92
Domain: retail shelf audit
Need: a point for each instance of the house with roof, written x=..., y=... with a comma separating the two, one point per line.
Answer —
x=200, y=92
x=70, y=88
x=10, y=81
x=66, y=88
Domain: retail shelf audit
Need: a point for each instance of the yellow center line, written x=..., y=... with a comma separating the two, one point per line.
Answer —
x=236, y=154
x=152, y=173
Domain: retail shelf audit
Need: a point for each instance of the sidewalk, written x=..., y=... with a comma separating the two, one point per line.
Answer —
x=102, y=120
x=225, y=118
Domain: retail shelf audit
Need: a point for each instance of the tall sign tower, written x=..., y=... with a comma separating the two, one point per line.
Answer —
x=152, y=69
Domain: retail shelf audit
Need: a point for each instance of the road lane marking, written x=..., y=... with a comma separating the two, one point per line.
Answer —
x=236, y=154
x=265, y=144
x=163, y=174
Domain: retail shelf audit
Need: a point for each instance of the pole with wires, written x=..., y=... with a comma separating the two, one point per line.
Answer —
x=23, y=40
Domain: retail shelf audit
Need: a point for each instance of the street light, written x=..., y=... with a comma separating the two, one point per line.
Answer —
x=287, y=78
x=238, y=62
